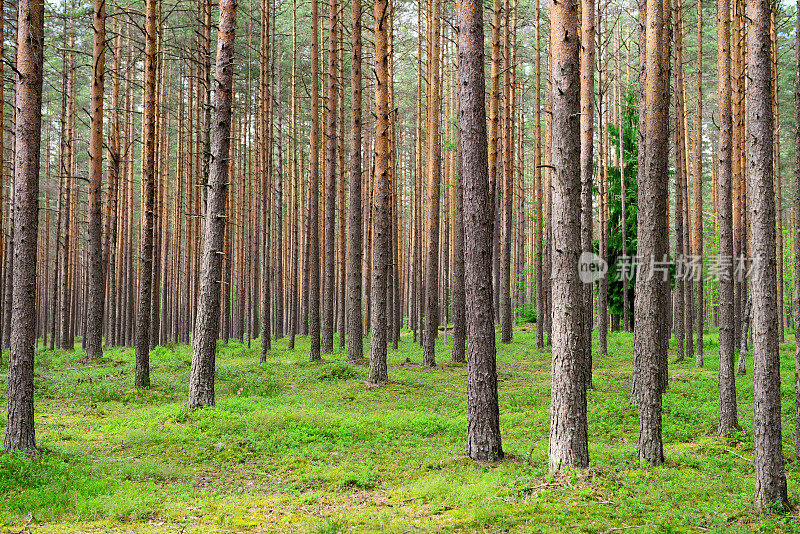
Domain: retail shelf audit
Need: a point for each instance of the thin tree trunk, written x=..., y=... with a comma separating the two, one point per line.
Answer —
x=587, y=67
x=698, y=189
x=313, y=193
x=728, y=419
x=679, y=308
x=797, y=237
x=142, y=378
x=355, y=332
x=506, y=316
x=331, y=98
x=537, y=160
x=434, y=172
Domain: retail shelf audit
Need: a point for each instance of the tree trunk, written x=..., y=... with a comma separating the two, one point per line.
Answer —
x=330, y=185
x=459, y=288
x=797, y=236
x=434, y=172
x=728, y=419
x=651, y=298
x=483, y=416
x=697, y=250
x=381, y=253
x=355, y=333
x=313, y=193
x=20, y=434
x=142, y=378
x=204, y=340
x=769, y=469
x=94, y=252
x=506, y=315
x=568, y=420
x=587, y=166
x=537, y=160
x=680, y=187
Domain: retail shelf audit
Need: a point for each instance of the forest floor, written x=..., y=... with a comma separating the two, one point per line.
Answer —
x=298, y=447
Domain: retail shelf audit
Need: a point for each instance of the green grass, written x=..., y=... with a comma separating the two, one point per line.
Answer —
x=298, y=447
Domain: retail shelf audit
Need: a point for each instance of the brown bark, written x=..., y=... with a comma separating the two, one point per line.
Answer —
x=796, y=185
x=381, y=252
x=568, y=418
x=355, y=332
x=506, y=316
x=728, y=419
x=679, y=308
x=20, y=434
x=769, y=469
x=94, y=253
x=313, y=277
x=602, y=293
x=587, y=67
x=650, y=299
x=537, y=159
x=697, y=228
x=341, y=270
x=294, y=315
x=142, y=378
x=331, y=98
x=483, y=419
x=204, y=339
x=459, y=288
x=266, y=180
x=434, y=172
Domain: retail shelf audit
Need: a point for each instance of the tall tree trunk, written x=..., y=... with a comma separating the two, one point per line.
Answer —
x=769, y=469
x=587, y=166
x=313, y=299
x=568, y=418
x=278, y=313
x=20, y=434
x=434, y=172
x=697, y=228
x=602, y=292
x=483, y=415
x=537, y=160
x=330, y=184
x=355, y=332
x=728, y=419
x=494, y=140
x=341, y=282
x=94, y=252
x=296, y=177
x=797, y=236
x=381, y=254
x=204, y=340
x=506, y=315
x=679, y=309
x=459, y=288
x=650, y=299
x=266, y=181
x=142, y=374
x=114, y=147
